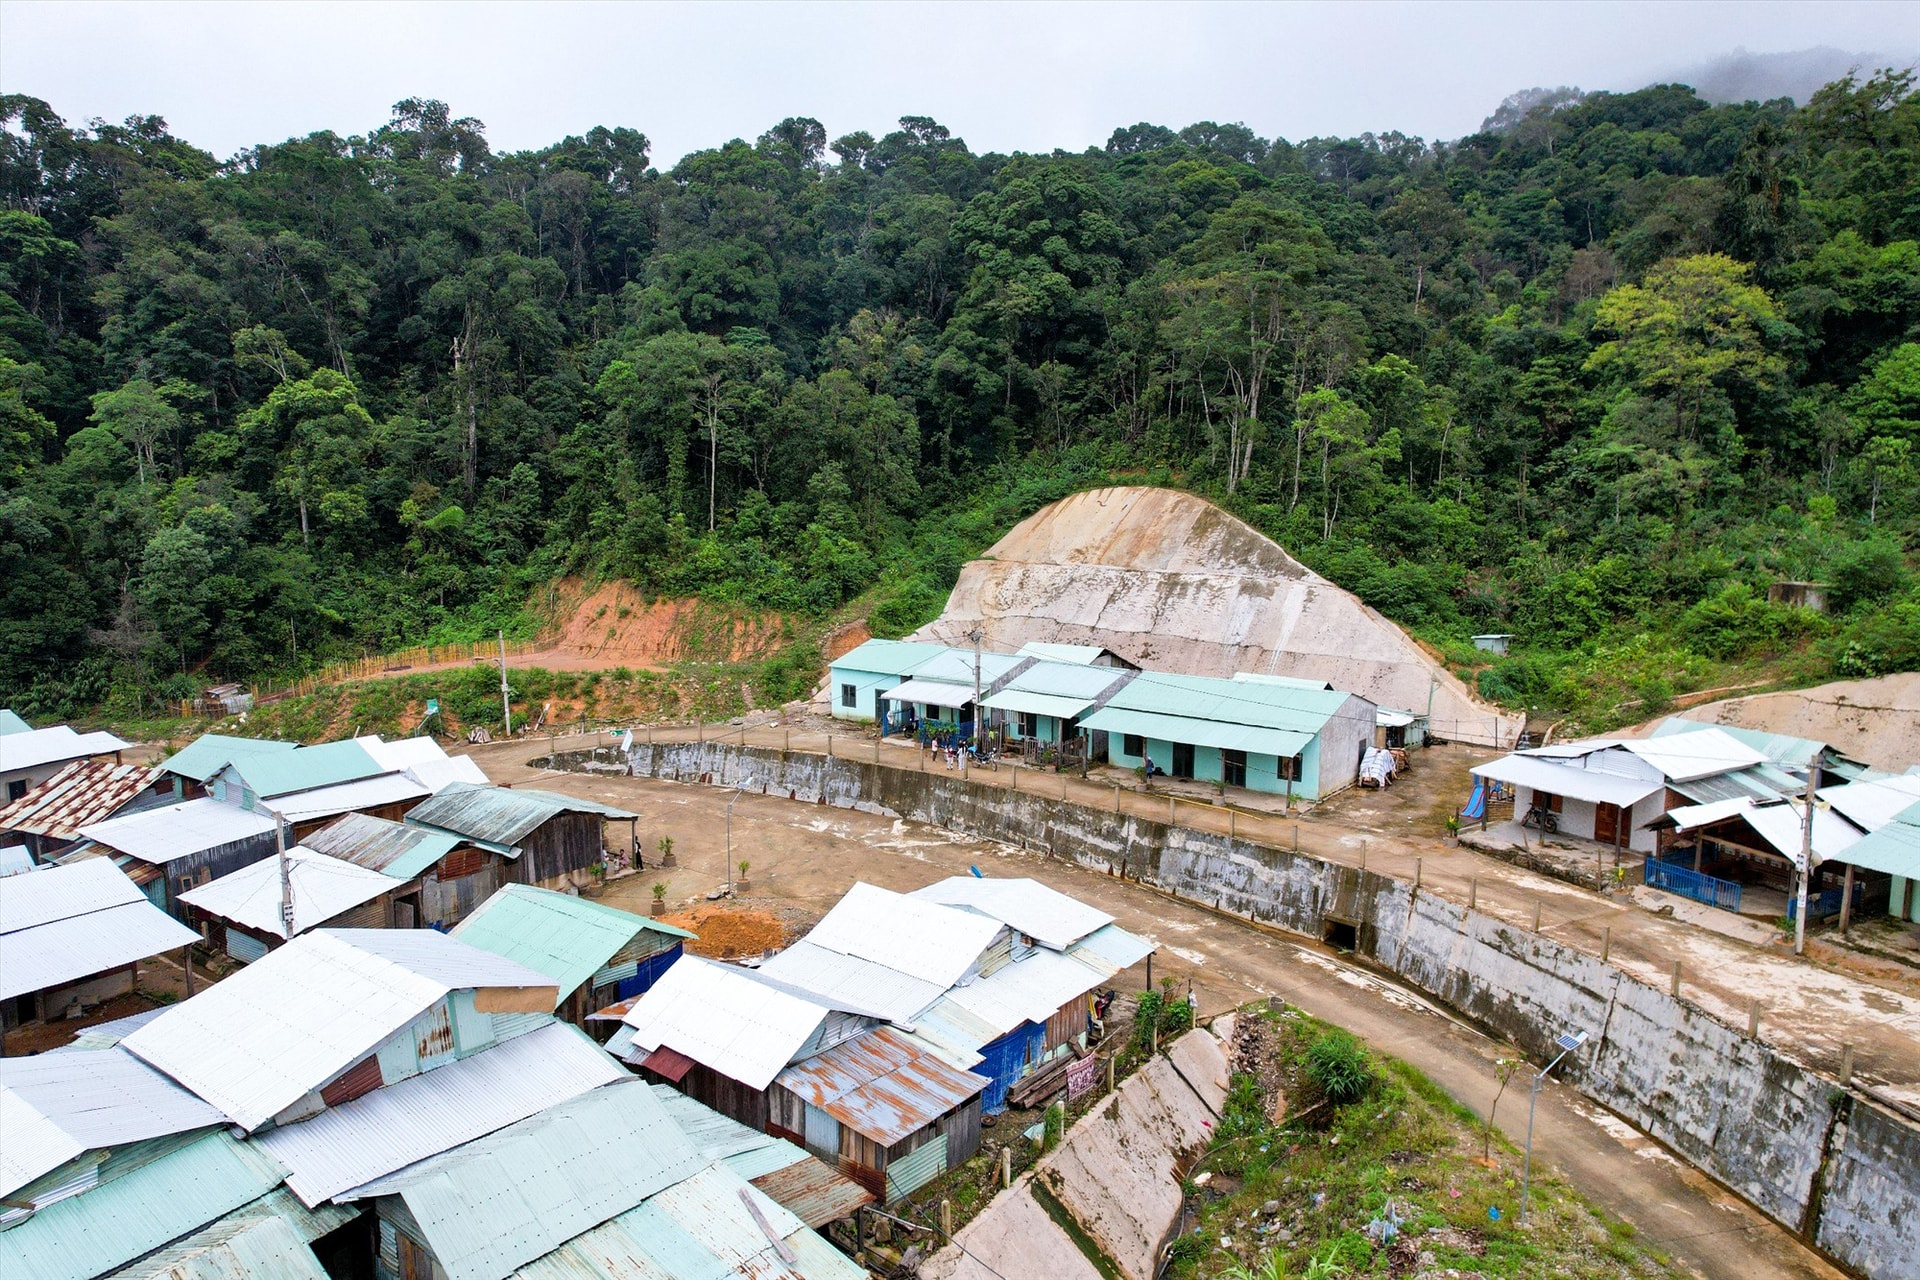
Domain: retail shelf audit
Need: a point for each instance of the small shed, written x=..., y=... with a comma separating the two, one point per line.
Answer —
x=442, y=878
x=595, y=954
x=855, y=678
x=240, y=913
x=76, y=935
x=1493, y=642
x=175, y=847
x=48, y=818
x=549, y=839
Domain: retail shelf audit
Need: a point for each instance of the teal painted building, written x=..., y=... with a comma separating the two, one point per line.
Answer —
x=1043, y=701
x=857, y=678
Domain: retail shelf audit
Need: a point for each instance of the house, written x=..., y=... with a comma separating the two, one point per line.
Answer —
x=595, y=954
x=172, y=848
x=76, y=935
x=1283, y=739
x=192, y=767
x=249, y=779
x=441, y=877
x=241, y=913
x=942, y=689
x=1891, y=848
x=15, y=859
x=1086, y=655
x=29, y=758
x=548, y=839
x=1782, y=750
x=1609, y=789
x=1742, y=845
x=855, y=678
x=812, y=1191
x=48, y=818
x=1041, y=704
x=385, y=795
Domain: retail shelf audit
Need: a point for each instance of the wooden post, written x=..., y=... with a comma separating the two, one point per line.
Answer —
x=1606, y=942
x=1846, y=900
x=1846, y=1064
x=829, y=746
x=1674, y=989
x=1363, y=855
x=1015, y=775
x=1063, y=787
x=1416, y=871
x=700, y=732
x=1006, y=1166
x=876, y=751
x=1116, y=797
x=1233, y=826
x=946, y=1218
x=1473, y=893
x=1170, y=804
x=1536, y=917
x=1753, y=1018
x=186, y=962
x=786, y=740
x=1110, y=1062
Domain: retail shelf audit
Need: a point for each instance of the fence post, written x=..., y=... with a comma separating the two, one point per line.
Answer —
x=1363, y=855
x=1233, y=828
x=1416, y=871
x=1753, y=1018
x=829, y=746
x=1606, y=942
x=1674, y=989
x=1536, y=917
x=1006, y=1166
x=1473, y=893
x=1116, y=797
x=1846, y=1063
x=1170, y=803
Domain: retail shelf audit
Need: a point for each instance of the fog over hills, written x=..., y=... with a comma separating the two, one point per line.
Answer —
x=1741, y=76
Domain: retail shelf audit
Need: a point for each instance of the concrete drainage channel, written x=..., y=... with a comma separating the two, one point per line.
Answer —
x=1836, y=1169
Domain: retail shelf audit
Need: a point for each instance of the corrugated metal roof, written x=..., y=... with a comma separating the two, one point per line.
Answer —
x=932, y=692
x=1687, y=817
x=322, y=888
x=811, y=1190
x=1697, y=754
x=66, y=950
x=1078, y=653
x=1748, y=784
x=60, y=893
x=284, y=772
x=107, y=1098
x=501, y=815
x=438, y=775
x=235, y=1248
x=1894, y=848
x=719, y=1016
x=922, y=939
x=1031, y=990
x=138, y=1212
x=35, y=1144
x=713, y=1135
x=260, y=1040
x=104, y=1035
x=404, y=753
x=1253, y=739
x=882, y=1085
x=956, y=667
x=1285, y=682
x=178, y=830
x=15, y=859
x=1044, y=914
x=346, y=797
x=1555, y=778
x=382, y=1132
x=82, y=792
x=567, y=938
x=207, y=754
x=1237, y=702
x=394, y=849
x=1872, y=805
x=841, y=979
x=1066, y=680
x=1783, y=826
x=501, y=1201
x=888, y=656
x=1781, y=748
x=38, y=747
x=1111, y=950
x=11, y=723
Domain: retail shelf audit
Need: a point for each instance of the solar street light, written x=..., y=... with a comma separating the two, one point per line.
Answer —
x=1566, y=1042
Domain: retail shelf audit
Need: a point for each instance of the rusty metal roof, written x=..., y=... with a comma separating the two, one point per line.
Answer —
x=500, y=815
x=84, y=792
x=814, y=1191
x=882, y=1085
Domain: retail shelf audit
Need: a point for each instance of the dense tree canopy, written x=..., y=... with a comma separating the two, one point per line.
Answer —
x=1617, y=358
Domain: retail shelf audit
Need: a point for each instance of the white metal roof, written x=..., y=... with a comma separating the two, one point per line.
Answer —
x=1112, y=950
x=403, y=754
x=435, y=774
x=322, y=888
x=501, y=1201
x=1687, y=817
x=843, y=979
x=105, y=1098
x=260, y=1040
x=347, y=797
x=719, y=1016
x=1046, y=915
x=1080, y=653
x=1699, y=754
x=60, y=893
x=34, y=1146
x=52, y=745
x=1783, y=826
x=1030, y=990
x=177, y=830
x=15, y=859
x=401, y=1124
x=66, y=950
x=956, y=666
x=1593, y=785
x=1059, y=706
x=922, y=939
x=1872, y=805
x=933, y=693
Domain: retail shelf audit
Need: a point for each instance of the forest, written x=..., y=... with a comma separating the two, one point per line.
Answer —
x=1595, y=375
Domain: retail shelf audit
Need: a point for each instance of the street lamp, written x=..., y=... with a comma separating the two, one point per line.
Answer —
x=738, y=791
x=1567, y=1042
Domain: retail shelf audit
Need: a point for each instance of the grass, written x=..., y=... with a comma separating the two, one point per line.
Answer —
x=1272, y=1202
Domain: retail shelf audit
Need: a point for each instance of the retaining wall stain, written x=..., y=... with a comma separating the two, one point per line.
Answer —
x=1838, y=1172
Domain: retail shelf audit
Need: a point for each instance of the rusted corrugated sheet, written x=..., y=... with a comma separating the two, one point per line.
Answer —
x=86, y=791
x=814, y=1192
x=881, y=1085
x=667, y=1064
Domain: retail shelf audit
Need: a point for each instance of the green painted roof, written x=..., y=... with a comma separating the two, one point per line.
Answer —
x=285, y=772
x=118, y=1221
x=207, y=754
x=887, y=657
x=11, y=723
x=1239, y=702
x=1254, y=739
x=567, y=938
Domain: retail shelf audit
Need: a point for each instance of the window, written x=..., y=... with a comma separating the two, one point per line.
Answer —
x=1233, y=767
x=849, y=696
x=1029, y=725
x=1289, y=768
x=1132, y=744
x=16, y=789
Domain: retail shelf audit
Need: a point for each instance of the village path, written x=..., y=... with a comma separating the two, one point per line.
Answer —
x=804, y=857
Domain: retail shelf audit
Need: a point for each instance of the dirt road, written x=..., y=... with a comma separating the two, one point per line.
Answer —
x=805, y=856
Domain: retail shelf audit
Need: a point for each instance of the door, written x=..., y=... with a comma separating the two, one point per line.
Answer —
x=1182, y=760
x=1609, y=824
x=1233, y=767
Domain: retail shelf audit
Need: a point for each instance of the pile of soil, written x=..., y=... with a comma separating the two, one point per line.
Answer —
x=730, y=933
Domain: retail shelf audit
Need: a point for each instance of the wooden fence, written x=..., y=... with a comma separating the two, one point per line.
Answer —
x=398, y=663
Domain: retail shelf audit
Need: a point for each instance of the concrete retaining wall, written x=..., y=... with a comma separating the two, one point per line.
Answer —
x=1841, y=1174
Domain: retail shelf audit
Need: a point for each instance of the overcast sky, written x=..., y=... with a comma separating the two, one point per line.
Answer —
x=1003, y=76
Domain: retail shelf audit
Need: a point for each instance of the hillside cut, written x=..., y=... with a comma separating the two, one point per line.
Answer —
x=1173, y=583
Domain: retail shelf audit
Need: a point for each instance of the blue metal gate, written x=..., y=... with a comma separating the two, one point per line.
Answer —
x=1689, y=883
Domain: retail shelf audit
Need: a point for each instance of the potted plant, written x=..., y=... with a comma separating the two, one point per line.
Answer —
x=598, y=872
x=659, y=907
x=740, y=885
x=1453, y=829
x=666, y=852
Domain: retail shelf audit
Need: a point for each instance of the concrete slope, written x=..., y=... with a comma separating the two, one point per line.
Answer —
x=1876, y=720
x=1176, y=584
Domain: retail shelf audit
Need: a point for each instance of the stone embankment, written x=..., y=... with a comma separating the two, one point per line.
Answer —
x=1830, y=1165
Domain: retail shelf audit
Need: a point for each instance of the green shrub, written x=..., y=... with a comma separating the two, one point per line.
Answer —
x=1146, y=1018
x=1862, y=572
x=1176, y=1018
x=1340, y=1067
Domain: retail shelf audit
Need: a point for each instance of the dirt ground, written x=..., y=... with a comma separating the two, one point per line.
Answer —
x=727, y=931
x=806, y=856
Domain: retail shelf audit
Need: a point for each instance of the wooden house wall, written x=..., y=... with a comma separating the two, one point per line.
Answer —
x=447, y=900
x=1067, y=1024
x=862, y=1158
x=391, y=812
x=210, y=864
x=726, y=1095
x=563, y=844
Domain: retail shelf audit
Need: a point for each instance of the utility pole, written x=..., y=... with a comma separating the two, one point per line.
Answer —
x=286, y=875
x=506, y=705
x=976, y=636
x=1806, y=860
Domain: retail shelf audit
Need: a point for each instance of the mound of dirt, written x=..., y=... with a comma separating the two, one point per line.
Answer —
x=1876, y=720
x=729, y=933
x=1174, y=583
x=614, y=623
